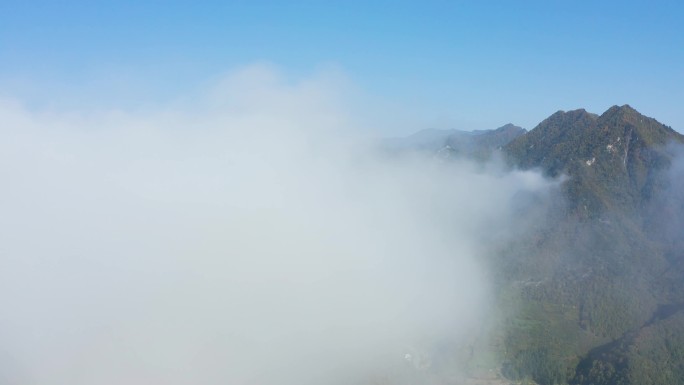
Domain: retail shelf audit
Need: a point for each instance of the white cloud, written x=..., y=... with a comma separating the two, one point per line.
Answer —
x=244, y=237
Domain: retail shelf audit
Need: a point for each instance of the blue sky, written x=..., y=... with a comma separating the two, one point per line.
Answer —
x=451, y=64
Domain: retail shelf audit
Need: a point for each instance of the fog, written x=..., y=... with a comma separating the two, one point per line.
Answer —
x=246, y=234
x=664, y=214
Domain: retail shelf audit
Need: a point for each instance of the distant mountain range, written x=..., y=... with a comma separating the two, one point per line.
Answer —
x=456, y=143
x=594, y=293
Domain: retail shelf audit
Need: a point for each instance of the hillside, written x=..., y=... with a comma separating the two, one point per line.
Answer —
x=592, y=291
x=603, y=274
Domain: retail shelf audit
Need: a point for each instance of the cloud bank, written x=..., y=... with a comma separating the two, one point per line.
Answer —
x=248, y=235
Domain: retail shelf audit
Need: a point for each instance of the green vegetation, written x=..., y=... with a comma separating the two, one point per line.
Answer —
x=595, y=291
x=591, y=289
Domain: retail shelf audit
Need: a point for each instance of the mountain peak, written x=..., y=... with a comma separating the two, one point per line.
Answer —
x=508, y=132
x=627, y=121
x=611, y=159
x=576, y=112
x=510, y=127
x=565, y=117
x=623, y=108
x=624, y=111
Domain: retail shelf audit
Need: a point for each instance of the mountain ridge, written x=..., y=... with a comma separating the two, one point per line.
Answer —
x=610, y=275
x=456, y=143
x=620, y=146
x=605, y=254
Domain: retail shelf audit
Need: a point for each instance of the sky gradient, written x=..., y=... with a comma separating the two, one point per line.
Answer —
x=450, y=64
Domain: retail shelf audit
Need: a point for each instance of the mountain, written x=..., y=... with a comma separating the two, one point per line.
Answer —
x=613, y=160
x=480, y=144
x=597, y=289
x=445, y=144
x=591, y=292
